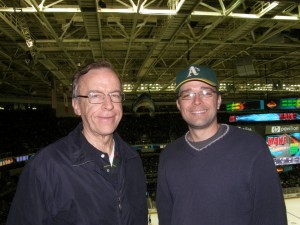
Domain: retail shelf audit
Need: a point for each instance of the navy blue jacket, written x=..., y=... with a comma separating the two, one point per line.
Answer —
x=64, y=184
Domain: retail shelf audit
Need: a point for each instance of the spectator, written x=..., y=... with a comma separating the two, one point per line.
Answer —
x=90, y=176
x=215, y=173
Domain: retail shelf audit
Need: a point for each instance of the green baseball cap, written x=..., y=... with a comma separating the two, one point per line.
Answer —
x=195, y=72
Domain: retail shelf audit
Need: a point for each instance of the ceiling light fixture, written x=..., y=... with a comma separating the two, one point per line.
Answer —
x=157, y=11
x=268, y=8
x=286, y=17
x=242, y=15
x=204, y=13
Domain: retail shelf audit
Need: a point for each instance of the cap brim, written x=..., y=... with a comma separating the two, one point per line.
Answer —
x=195, y=79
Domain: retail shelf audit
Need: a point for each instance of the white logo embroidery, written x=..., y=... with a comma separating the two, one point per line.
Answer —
x=193, y=71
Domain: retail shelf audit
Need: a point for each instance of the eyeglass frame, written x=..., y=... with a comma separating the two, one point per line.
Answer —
x=99, y=93
x=192, y=94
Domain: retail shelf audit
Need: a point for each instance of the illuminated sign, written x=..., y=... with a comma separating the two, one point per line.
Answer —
x=244, y=106
x=290, y=103
x=279, y=129
x=284, y=148
x=277, y=140
x=148, y=146
x=6, y=161
x=22, y=158
x=263, y=117
x=285, y=103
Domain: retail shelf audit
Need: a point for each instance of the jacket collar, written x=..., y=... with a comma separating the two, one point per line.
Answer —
x=83, y=152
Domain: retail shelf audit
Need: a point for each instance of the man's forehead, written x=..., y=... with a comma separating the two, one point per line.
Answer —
x=196, y=84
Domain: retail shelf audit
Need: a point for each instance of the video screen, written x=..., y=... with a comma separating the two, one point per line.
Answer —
x=284, y=103
x=264, y=117
x=244, y=106
x=284, y=148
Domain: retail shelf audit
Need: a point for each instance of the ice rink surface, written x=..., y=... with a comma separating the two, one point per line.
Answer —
x=293, y=210
x=292, y=207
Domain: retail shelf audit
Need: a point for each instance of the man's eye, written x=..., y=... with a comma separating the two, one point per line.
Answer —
x=94, y=95
x=115, y=95
x=207, y=92
x=185, y=95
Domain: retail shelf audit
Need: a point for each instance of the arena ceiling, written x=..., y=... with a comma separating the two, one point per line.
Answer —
x=253, y=46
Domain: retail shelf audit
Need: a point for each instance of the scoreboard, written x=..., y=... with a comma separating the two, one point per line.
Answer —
x=276, y=104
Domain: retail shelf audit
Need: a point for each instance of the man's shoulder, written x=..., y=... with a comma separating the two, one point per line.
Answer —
x=48, y=152
x=175, y=145
x=244, y=131
x=124, y=147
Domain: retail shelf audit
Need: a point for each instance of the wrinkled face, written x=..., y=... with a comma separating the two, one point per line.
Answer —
x=199, y=111
x=103, y=118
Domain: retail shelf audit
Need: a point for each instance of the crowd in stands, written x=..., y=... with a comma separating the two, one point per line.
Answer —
x=7, y=189
x=26, y=131
x=291, y=178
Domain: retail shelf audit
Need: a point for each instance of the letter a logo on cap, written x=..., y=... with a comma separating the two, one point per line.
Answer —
x=196, y=73
x=193, y=71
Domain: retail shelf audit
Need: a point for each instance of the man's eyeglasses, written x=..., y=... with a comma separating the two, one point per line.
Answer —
x=204, y=93
x=99, y=97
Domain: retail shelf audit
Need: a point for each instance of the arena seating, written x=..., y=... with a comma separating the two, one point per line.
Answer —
x=26, y=131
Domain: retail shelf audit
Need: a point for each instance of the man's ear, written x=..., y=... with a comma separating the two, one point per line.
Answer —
x=219, y=102
x=178, y=105
x=76, y=108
